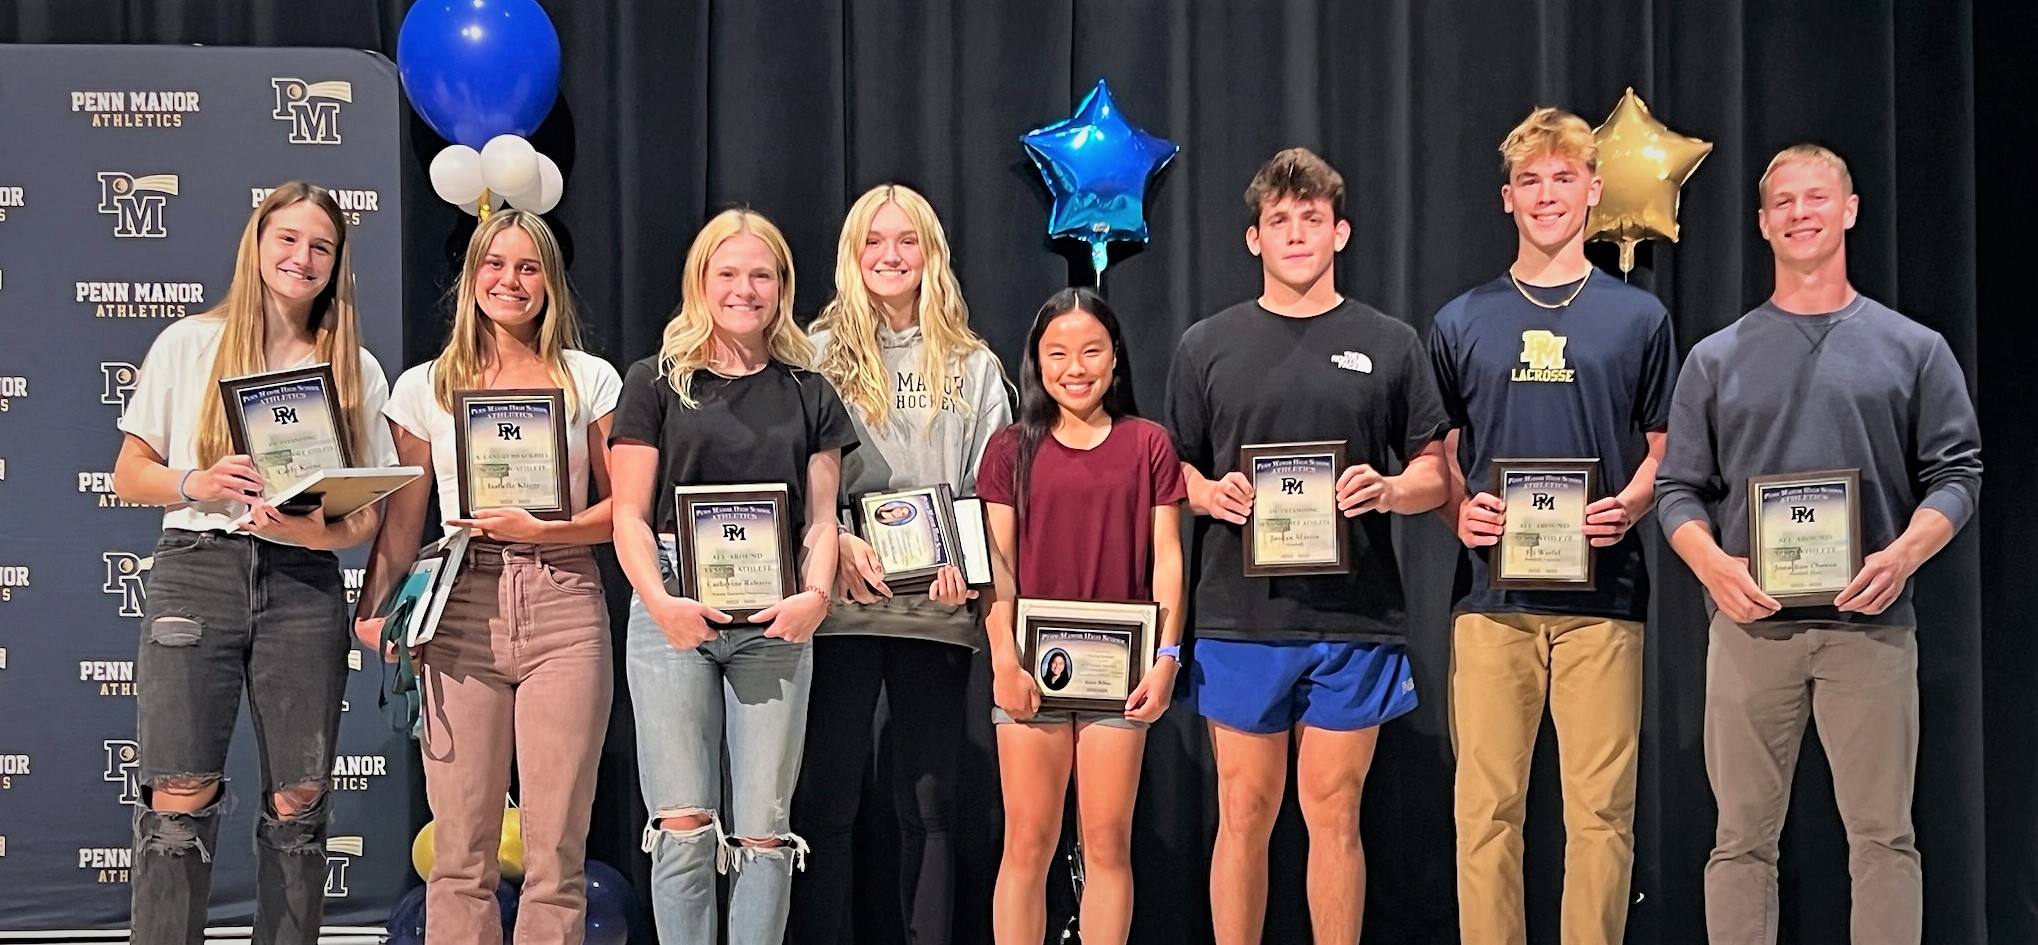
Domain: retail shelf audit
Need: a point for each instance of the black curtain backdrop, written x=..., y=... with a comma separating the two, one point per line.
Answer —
x=670, y=109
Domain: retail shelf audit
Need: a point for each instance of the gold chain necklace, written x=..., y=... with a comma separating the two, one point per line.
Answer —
x=1518, y=287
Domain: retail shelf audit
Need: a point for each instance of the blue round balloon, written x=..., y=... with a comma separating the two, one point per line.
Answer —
x=611, y=906
x=506, y=898
x=407, y=921
x=475, y=69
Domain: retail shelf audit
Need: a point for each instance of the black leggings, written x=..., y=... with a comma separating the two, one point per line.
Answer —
x=927, y=684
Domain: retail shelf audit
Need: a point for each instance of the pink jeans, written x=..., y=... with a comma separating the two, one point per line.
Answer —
x=520, y=666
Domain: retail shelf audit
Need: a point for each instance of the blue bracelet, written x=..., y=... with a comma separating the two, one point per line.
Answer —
x=1171, y=651
x=180, y=488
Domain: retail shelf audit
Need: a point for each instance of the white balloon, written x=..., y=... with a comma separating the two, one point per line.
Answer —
x=456, y=175
x=545, y=196
x=509, y=164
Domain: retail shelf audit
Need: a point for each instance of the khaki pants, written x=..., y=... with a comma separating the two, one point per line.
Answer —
x=1763, y=682
x=1503, y=666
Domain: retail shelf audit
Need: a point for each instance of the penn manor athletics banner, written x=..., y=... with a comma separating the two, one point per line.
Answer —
x=128, y=174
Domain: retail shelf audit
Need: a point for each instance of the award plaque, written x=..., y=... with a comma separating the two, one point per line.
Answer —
x=736, y=547
x=913, y=532
x=512, y=451
x=973, y=534
x=1295, y=526
x=1086, y=656
x=1804, y=535
x=287, y=422
x=1544, y=546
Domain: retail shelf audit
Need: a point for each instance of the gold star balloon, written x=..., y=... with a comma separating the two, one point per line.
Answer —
x=1643, y=165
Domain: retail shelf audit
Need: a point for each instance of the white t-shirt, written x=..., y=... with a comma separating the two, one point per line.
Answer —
x=413, y=407
x=170, y=396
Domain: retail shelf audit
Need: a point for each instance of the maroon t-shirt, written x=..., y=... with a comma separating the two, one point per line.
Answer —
x=1088, y=530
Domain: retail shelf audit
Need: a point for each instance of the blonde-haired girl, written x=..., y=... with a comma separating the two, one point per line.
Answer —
x=261, y=609
x=725, y=401
x=520, y=665
x=926, y=394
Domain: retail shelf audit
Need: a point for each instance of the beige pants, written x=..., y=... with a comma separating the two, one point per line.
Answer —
x=1503, y=667
x=520, y=667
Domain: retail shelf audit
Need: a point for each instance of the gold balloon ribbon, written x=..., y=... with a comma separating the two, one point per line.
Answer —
x=482, y=211
x=1643, y=164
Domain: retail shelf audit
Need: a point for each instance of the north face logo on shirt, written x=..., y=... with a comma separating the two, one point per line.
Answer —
x=1353, y=361
x=1543, y=352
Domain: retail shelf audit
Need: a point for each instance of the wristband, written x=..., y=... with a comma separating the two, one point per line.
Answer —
x=1172, y=651
x=180, y=487
x=827, y=603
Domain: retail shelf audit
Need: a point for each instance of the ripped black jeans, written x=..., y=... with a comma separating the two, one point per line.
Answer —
x=223, y=613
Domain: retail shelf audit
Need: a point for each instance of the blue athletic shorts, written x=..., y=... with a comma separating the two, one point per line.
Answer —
x=1268, y=687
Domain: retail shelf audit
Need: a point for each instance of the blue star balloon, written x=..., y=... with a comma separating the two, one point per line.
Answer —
x=1098, y=167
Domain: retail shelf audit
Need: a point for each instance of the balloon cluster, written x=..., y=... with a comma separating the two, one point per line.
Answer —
x=506, y=170
x=611, y=905
x=483, y=74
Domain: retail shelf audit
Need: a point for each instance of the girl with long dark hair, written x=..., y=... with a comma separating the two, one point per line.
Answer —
x=1085, y=504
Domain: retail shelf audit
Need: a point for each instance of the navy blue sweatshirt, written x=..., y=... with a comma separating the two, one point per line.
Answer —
x=1777, y=393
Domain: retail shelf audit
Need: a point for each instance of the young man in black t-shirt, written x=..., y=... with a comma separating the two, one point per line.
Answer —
x=1318, y=660
x=1550, y=360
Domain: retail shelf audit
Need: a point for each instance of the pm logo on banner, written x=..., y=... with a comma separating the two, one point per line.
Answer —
x=120, y=378
x=340, y=854
x=311, y=108
x=124, y=580
x=123, y=760
x=137, y=204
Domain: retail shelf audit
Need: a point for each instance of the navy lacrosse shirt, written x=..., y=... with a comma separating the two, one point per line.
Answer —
x=1583, y=380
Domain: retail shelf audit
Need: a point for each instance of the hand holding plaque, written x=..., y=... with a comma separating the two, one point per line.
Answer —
x=1544, y=546
x=1295, y=526
x=512, y=451
x=287, y=424
x=736, y=547
x=917, y=532
x=1087, y=656
x=1804, y=535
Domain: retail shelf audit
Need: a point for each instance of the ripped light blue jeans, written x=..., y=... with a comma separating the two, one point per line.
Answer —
x=747, y=691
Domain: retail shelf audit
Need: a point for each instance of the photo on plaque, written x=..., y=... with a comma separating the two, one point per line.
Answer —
x=1544, y=546
x=1295, y=526
x=512, y=450
x=1804, y=535
x=287, y=423
x=913, y=532
x=1086, y=655
x=735, y=547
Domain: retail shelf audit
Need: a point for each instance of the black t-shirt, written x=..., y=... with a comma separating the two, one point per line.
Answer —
x=1582, y=381
x=760, y=427
x=1245, y=376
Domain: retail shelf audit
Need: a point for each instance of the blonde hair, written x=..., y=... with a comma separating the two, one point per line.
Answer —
x=465, y=360
x=689, y=335
x=336, y=334
x=1812, y=153
x=852, y=360
x=1550, y=132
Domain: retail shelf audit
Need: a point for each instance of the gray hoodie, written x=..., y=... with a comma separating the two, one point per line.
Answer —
x=907, y=452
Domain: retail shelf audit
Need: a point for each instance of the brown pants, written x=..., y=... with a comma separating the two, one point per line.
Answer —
x=520, y=665
x=1503, y=666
